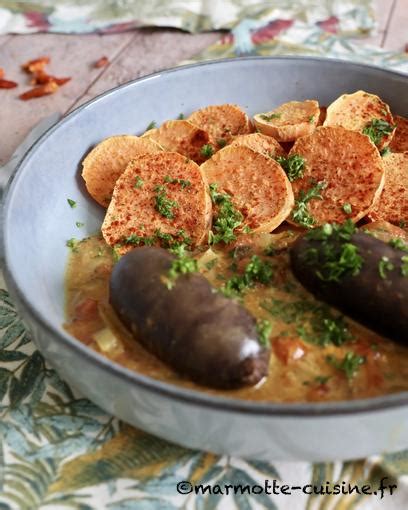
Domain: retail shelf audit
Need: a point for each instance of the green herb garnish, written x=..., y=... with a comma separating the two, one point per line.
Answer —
x=211, y=263
x=138, y=182
x=311, y=119
x=180, y=116
x=71, y=203
x=349, y=364
x=183, y=182
x=151, y=125
x=322, y=379
x=163, y=204
x=384, y=265
x=337, y=255
x=270, y=117
x=256, y=270
x=72, y=244
x=347, y=208
x=221, y=142
x=182, y=264
x=300, y=214
x=264, y=329
x=293, y=165
x=404, y=265
x=79, y=224
x=385, y=151
x=376, y=129
x=227, y=218
x=398, y=243
x=207, y=150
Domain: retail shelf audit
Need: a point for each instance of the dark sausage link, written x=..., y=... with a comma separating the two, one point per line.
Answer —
x=197, y=331
x=377, y=295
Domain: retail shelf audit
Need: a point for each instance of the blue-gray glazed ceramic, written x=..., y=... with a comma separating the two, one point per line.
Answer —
x=37, y=223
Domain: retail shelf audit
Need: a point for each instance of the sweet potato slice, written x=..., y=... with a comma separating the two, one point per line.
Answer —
x=162, y=192
x=399, y=142
x=258, y=186
x=344, y=168
x=392, y=205
x=363, y=112
x=105, y=163
x=258, y=142
x=222, y=122
x=180, y=136
x=290, y=120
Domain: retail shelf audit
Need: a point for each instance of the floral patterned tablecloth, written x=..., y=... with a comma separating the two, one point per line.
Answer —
x=57, y=449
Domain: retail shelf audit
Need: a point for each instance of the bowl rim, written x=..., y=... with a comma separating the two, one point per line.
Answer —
x=164, y=389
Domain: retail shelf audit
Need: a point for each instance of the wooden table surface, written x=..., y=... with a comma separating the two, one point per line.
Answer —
x=131, y=54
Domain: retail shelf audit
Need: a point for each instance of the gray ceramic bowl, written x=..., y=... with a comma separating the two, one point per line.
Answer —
x=37, y=223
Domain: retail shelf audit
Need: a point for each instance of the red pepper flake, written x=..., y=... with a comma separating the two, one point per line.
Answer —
x=38, y=64
x=41, y=78
x=102, y=62
x=40, y=91
x=7, y=84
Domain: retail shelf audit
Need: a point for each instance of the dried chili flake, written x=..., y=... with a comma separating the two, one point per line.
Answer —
x=41, y=78
x=38, y=64
x=102, y=62
x=40, y=91
x=7, y=84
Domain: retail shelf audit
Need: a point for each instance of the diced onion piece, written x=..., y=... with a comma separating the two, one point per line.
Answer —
x=106, y=340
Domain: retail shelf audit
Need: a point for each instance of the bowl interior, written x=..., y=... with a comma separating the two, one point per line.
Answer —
x=37, y=218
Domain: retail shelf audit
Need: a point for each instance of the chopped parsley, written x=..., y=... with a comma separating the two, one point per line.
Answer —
x=163, y=204
x=180, y=116
x=79, y=224
x=315, y=322
x=347, y=208
x=311, y=119
x=384, y=265
x=376, y=129
x=207, y=150
x=211, y=263
x=337, y=255
x=227, y=217
x=270, y=117
x=256, y=270
x=264, y=329
x=138, y=182
x=184, y=183
x=349, y=364
x=151, y=125
x=301, y=214
x=402, y=224
x=72, y=244
x=71, y=203
x=167, y=241
x=221, y=142
x=182, y=264
x=398, y=243
x=404, y=265
x=385, y=151
x=293, y=165
x=322, y=379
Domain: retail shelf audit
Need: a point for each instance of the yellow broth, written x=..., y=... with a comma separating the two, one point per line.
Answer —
x=299, y=367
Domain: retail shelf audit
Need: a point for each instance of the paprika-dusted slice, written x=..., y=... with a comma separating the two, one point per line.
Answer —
x=257, y=185
x=222, y=122
x=290, y=120
x=158, y=194
x=392, y=205
x=342, y=177
x=107, y=161
x=363, y=112
x=180, y=136
x=258, y=142
x=399, y=142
